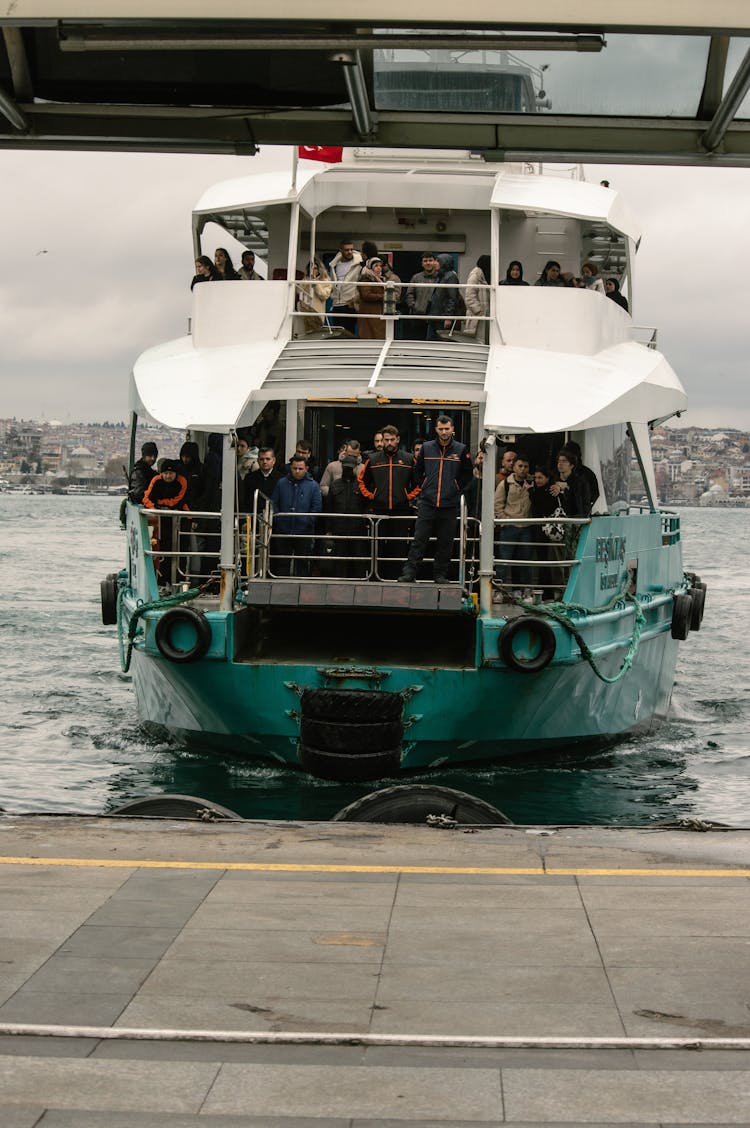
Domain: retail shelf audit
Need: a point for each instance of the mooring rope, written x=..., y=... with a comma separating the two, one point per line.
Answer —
x=561, y=613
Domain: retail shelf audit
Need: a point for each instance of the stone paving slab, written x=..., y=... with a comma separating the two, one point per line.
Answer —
x=94, y=1084
x=263, y=1012
x=496, y=1019
x=276, y=946
x=357, y=1092
x=611, y=1096
x=20, y=1117
x=64, y=1119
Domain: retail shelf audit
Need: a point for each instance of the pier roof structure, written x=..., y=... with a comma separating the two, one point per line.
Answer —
x=645, y=82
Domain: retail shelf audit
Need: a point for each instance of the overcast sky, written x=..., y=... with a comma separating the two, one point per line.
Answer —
x=98, y=261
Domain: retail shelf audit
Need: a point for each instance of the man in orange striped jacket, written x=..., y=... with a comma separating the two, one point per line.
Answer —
x=386, y=483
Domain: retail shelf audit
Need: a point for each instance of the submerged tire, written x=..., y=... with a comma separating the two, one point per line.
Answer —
x=176, y=807
x=108, y=589
x=364, y=705
x=698, y=596
x=348, y=736
x=527, y=644
x=183, y=634
x=345, y=767
x=682, y=611
x=412, y=803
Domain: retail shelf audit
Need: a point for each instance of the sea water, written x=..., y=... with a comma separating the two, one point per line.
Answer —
x=71, y=741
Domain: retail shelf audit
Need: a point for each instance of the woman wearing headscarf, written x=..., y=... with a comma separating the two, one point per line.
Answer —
x=514, y=274
x=370, y=296
x=612, y=286
x=478, y=299
x=312, y=295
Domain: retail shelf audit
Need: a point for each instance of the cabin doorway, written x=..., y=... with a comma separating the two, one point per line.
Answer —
x=328, y=427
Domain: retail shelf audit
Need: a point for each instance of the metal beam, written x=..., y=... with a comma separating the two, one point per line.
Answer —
x=84, y=39
x=509, y=137
x=713, y=82
x=730, y=103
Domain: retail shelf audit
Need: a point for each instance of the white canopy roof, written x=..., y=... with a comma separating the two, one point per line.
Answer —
x=538, y=392
x=554, y=195
x=525, y=390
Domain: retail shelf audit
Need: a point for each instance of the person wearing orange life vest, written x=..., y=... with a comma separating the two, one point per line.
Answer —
x=166, y=491
x=441, y=471
x=386, y=483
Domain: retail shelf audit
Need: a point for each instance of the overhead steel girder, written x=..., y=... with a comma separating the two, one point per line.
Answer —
x=509, y=137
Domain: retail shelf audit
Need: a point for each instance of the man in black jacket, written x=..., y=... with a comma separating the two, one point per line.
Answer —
x=442, y=470
x=260, y=481
x=386, y=483
x=444, y=301
x=142, y=473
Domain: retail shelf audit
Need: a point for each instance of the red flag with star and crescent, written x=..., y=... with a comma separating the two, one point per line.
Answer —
x=331, y=154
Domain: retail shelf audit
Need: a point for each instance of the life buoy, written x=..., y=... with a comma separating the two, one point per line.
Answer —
x=527, y=644
x=682, y=611
x=108, y=589
x=183, y=634
x=413, y=802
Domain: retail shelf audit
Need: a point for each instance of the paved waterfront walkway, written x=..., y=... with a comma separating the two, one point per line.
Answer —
x=365, y=930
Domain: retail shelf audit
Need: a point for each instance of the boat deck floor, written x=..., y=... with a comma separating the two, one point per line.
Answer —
x=372, y=975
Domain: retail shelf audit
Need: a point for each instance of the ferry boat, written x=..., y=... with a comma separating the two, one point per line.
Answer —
x=347, y=673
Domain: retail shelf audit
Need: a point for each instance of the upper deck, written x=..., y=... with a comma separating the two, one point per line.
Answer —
x=546, y=358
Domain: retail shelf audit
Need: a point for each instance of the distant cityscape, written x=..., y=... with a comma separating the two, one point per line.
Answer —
x=693, y=465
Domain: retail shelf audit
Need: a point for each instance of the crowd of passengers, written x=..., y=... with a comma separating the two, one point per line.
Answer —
x=318, y=514
x=350, y=293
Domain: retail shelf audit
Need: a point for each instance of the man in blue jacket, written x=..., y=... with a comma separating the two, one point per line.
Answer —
x=295, y=501
x=442, y=470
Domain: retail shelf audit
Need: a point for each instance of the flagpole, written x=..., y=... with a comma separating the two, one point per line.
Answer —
x=295, y=162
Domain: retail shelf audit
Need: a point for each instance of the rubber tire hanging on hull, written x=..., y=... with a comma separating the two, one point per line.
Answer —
x=698, y=596
x=362, y=705
x=412, y=803
x=176, y=807
x=342, y=736
x=180, y=616
x=531, y=654
x=682, y=611
x=108, y=589
x=345, y=767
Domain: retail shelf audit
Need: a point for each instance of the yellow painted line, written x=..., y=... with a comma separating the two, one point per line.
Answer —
x=298, y=867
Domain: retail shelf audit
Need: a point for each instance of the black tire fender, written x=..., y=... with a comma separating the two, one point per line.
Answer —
x=364, y=705
x=344, y=768
x=108, y=588
x=197, y=625
x=527, y=644
x=682, y=611
x=698, y=596
x=348, y=736
x=412, y=803
x=175, y=807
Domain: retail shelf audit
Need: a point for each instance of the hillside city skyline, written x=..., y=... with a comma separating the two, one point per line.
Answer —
x=689, y=462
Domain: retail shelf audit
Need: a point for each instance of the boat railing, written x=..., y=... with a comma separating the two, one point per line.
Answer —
x=526, y=561
x=183, y=546
x=645, y=335
x=347, y=546
x=464, y=324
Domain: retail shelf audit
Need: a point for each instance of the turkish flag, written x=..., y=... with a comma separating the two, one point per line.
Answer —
x=331, y=154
